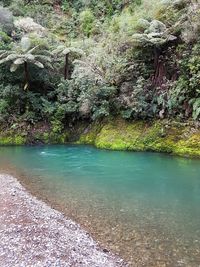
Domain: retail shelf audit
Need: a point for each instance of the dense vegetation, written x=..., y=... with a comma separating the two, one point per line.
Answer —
x=85, y=60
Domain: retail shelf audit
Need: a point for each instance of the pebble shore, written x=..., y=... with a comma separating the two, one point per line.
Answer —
x=32, y=234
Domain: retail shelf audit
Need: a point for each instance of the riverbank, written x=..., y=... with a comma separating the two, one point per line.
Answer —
x=173, y=137
x=33, y=234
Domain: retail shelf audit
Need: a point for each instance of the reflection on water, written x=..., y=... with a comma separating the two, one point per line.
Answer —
x=144, y=206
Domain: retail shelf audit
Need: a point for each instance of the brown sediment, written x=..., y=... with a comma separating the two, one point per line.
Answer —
x=33, y=234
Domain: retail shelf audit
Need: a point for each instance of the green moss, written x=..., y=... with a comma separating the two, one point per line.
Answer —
x=159, y=136
x=6, y=140
x=10, y=139
x=50, y=137
x=118, y=134
x=55, y=138
x=189, y=146
x=46, y=137
x=19, y=140
x=89, y=135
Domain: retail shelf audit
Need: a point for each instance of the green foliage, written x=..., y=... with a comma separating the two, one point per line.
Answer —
x=65, y=5
x=87, y=20
x=6, y=2
x=18, y=8
x=134, y=59
x=23, y=54
x=140, y=103
x=196, y=108
x=185, y=92
x=57, y=126
x=81, y=98
x=5, y=41
x=5, y=38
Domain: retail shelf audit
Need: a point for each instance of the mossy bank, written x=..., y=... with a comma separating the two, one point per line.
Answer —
x=159, y=136
x=117, y=134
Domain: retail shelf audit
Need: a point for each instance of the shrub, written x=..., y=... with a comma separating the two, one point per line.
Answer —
x=87, y=21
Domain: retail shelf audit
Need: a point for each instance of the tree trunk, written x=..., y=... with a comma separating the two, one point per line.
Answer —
x=66, y=71
x=26, y=75
x=26, y=85
x=159, y=67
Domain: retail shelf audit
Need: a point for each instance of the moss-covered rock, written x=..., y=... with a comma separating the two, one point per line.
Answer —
x=49, y=137
x=12, y=139
x=120, y=135
x=88, y=135
x=34, y=137
x=160, y=136
x=117, y=134
x=189, y=147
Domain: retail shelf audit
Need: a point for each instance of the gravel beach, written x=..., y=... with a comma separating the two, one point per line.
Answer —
x=33, y=234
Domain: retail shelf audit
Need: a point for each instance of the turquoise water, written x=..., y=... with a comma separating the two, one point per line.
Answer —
x=144, y=206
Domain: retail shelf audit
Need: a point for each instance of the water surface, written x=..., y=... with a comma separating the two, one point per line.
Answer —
x=144, y=206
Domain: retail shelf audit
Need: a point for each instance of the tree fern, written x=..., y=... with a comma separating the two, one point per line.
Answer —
x=23, y=54
x=61, y=51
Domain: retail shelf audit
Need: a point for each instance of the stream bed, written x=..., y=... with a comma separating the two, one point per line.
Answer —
x=143, y=206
